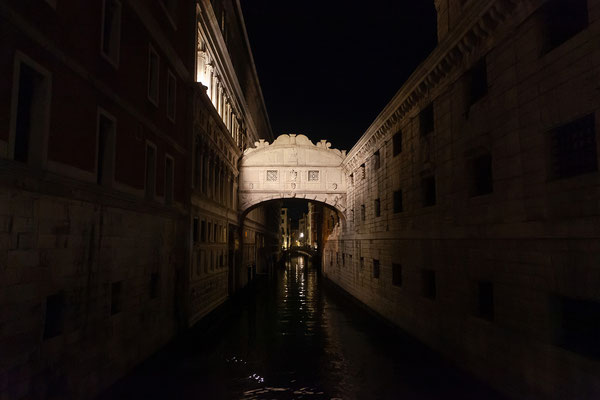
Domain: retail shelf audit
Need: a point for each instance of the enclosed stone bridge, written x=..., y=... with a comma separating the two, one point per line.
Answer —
x=292, y=167
x=304, y=250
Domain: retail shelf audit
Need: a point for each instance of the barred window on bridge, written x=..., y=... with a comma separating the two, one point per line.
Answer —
x=272, y=175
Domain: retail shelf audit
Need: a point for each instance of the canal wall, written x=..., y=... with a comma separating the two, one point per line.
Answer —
x=89, y=288
x=472, y=216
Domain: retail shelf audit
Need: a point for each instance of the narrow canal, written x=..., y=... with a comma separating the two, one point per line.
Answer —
x=296, y=338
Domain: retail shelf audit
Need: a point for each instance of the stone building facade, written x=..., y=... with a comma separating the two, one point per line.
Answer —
x=229, y=116
x=285, y=226
x=112, y=156
x=472, y=215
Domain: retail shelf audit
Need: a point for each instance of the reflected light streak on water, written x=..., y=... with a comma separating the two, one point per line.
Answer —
x=294, y=340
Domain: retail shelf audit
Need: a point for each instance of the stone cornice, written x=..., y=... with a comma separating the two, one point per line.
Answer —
x=479, y=22
x=297, y=141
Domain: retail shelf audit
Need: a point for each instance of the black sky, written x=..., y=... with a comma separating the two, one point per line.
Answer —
x=328, y=67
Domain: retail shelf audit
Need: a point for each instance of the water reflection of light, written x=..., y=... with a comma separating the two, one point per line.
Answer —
x=257, y=378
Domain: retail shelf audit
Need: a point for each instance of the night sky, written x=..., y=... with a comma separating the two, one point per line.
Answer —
x=328, y=67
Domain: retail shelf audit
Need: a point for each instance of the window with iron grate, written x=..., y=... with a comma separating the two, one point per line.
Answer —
x=573, y=148
x=272, y=175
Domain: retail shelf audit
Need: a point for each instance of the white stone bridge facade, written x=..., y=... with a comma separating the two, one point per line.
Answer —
x=292, y=167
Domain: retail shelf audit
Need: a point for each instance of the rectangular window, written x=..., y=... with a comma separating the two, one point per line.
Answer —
x=377, y=206
x=313, y=176
x=154, y=285
x=398, y=202
x=150, y=171
x=397, y=143
x=363, y=213
x=426, y=124
x=153, y=75
x=563, y=20
x=31, y=114
x=376, y=269
x=105, y=149
x=573, y=148
x=171, y=95
x=343, y=259
x=169, y=177
x=116, y=304
x=197, y=164
x=111, y=31
x=215, y=238
x=428, y=288
x=482, y=180
x=195, y=230
x=485, y=300
x=362, y=262
x=54, y=317
x=577, y=325
x=396, y=274
x=203, y=231
x=478, y=82
x=428, y=191
x=376, y=160
x=362, y=171
x=271, y=175
x=208, y=232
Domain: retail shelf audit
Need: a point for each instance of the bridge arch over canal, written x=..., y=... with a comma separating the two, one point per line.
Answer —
x=292, y=167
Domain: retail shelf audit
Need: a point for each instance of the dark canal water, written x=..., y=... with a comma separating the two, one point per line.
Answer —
x=295, y=338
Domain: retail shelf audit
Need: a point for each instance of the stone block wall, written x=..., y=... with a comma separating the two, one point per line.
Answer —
x=88, y=290
x=490, y=256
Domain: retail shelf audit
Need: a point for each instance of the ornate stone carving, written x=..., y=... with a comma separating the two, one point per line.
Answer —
x=314, y=171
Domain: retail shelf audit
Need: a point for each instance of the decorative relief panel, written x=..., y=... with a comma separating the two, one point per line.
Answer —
x=272, y=175
x=309, y=171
